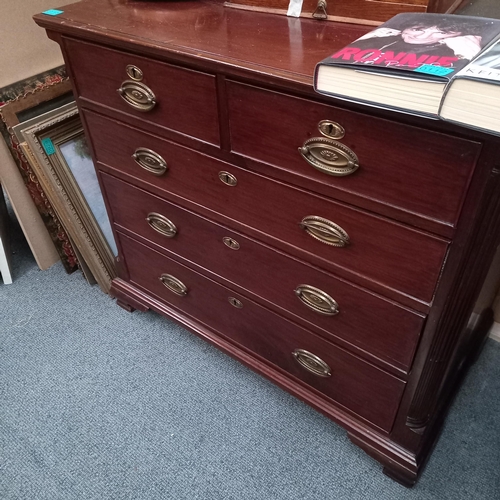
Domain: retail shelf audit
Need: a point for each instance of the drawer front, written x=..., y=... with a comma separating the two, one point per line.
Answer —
x=382, y=328
x=391, y=254
x=359, y=386
x=415, y=170
x=185, y=100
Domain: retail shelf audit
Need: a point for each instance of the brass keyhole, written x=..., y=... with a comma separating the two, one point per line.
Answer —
x=134, y=73
x=332, y=130
x=227, y=178
x=229, y=242
x=235, y=302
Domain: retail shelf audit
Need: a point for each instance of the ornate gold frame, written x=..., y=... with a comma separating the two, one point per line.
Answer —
x=65, y=194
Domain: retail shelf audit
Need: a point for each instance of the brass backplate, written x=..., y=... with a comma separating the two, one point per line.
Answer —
x=329, y=156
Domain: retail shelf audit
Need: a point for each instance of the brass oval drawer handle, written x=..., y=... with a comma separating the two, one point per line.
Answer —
x=324, y=230
x=317, y=300
x=227, y=178
x=312, y=363
x=161, y=224
x=329, y=156
x=173, y=284
x=137, y=95
x=150, y=161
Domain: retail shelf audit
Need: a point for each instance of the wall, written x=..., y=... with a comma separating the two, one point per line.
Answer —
x=25, y=49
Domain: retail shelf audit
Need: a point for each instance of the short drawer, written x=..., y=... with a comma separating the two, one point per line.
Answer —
x=359, y=386
x=185, y=101
x=409, y=168
x=335, y=308
x=391, y=254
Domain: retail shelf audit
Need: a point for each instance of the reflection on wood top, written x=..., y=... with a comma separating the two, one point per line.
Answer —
x=277, y=46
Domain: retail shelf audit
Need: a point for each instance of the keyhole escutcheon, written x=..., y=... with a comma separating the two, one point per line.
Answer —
x=231, y=243
x=227, y=178
x=134, y=73
x=330, y=129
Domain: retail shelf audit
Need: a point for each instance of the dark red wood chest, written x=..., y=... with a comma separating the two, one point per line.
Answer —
x=337, y=250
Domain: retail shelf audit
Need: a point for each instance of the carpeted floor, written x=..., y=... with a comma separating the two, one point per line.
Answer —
x=97, y=403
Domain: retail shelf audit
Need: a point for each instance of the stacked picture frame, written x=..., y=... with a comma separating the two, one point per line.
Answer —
x=20, y=101
x=54, y=144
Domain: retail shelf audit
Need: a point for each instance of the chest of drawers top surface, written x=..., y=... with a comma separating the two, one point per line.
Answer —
x=276, y=45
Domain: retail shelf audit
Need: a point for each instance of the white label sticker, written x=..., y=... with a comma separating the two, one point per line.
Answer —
x=294, y=8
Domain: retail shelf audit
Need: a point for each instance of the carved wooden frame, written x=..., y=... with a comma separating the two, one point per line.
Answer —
x=64, y=192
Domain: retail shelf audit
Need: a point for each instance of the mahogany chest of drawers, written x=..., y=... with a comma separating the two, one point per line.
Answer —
x=337, y=250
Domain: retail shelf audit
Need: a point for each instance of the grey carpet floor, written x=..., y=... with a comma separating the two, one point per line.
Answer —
x=97, y=403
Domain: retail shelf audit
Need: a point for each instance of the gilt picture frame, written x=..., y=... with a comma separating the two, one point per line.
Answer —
x=18, y=102
x=58, y=153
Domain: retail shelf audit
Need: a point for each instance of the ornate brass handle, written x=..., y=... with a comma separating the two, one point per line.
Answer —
x=320, y=12
x=329, y=156
x=173, y=284
x=137, y=95
x=317, y=300
x=150, y=161
x=161, y=224
x=312, y=363
x=324, y=230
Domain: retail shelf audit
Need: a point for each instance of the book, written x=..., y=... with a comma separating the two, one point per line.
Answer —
x=406, y=63
x=473, y=96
